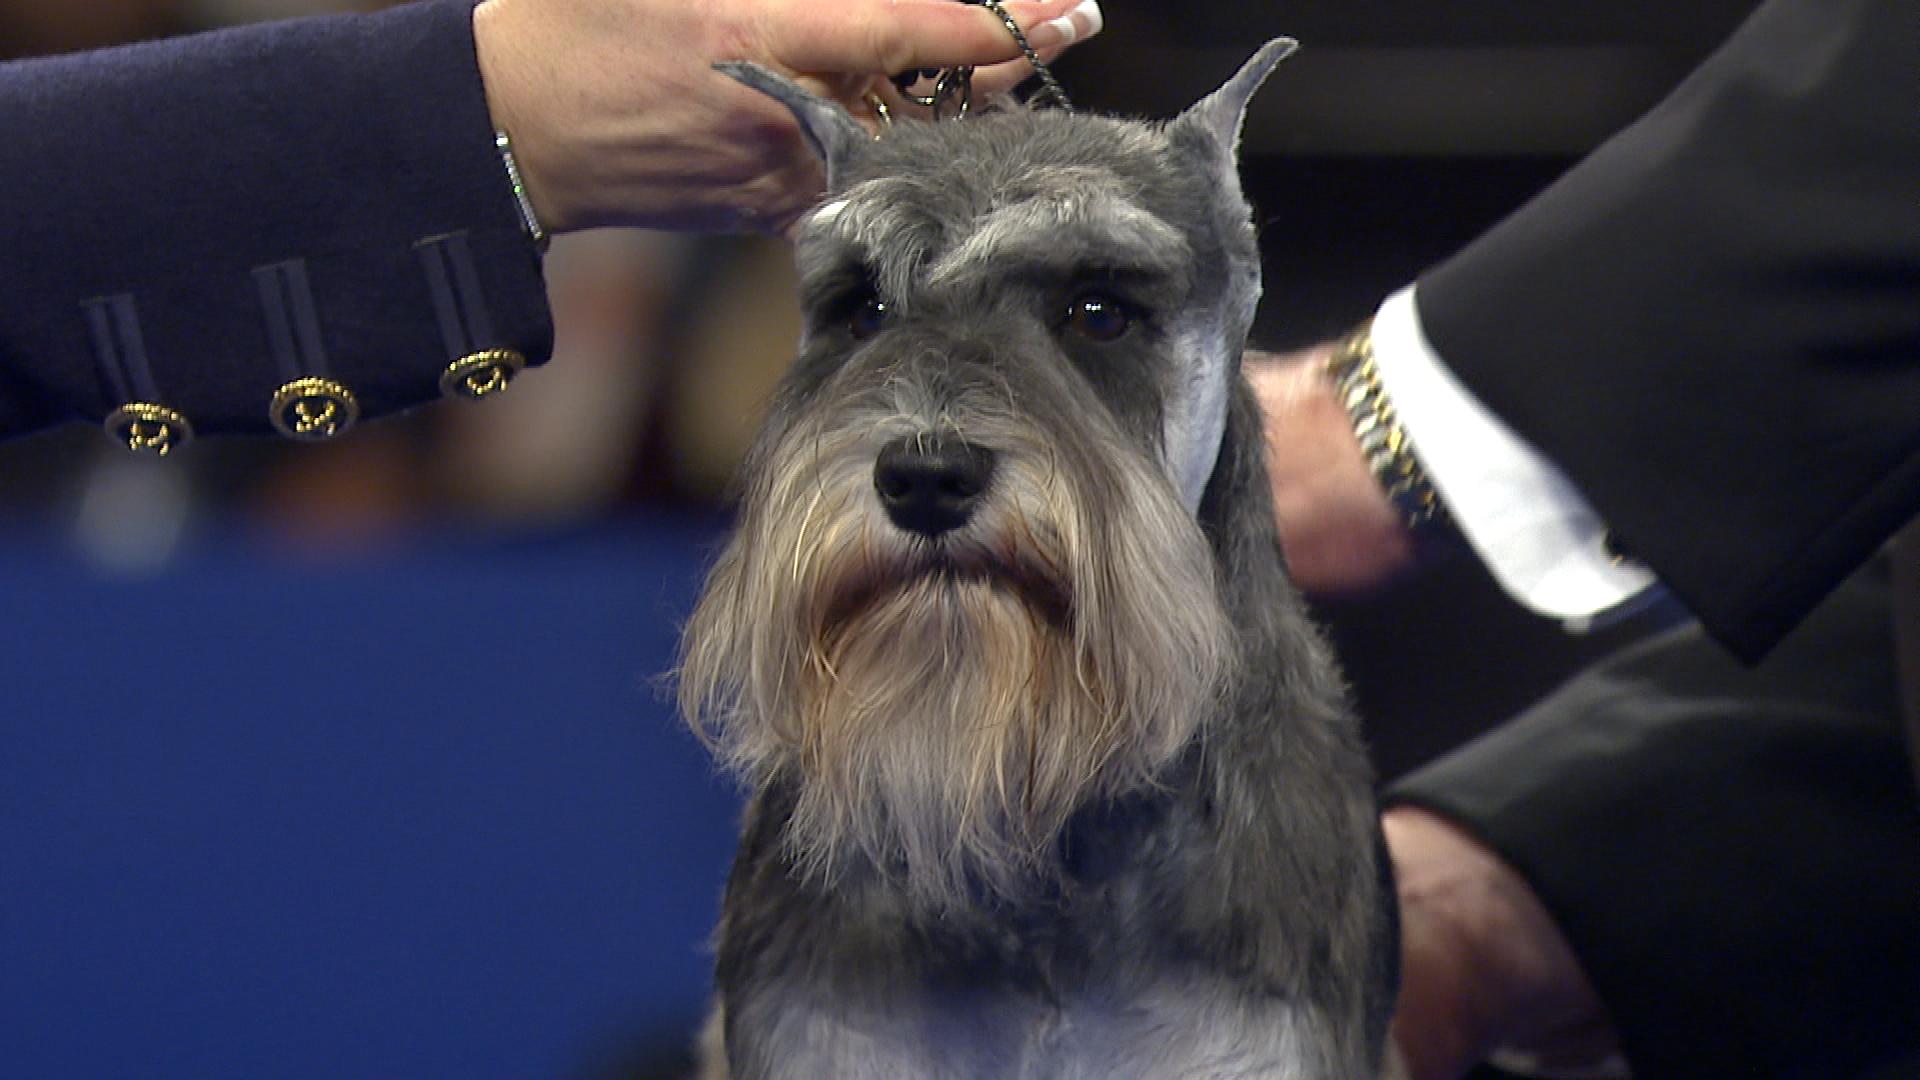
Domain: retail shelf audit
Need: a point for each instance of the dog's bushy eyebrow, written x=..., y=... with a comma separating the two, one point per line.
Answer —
x=1065, y=233
x=1051, y=221
x=886, y=225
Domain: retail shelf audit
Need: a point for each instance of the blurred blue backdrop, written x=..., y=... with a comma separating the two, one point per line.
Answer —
x=420, y=812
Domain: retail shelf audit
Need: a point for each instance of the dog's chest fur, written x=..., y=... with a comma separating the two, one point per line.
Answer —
x=1095, y=985
x=1192, y=1030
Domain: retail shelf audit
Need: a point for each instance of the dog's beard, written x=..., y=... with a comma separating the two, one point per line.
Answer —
x=944, y=708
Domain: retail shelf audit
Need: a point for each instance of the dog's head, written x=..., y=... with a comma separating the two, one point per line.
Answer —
x=969, y=594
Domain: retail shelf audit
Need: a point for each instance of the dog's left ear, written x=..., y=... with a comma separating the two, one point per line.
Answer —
x=832, y=131
x=1217, y=118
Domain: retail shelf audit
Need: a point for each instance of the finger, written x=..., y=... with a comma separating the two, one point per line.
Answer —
x=886, y=37
x=877, y=105
x=1054, y=35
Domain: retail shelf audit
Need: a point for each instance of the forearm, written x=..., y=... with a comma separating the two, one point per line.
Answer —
x=1476, y=479
x=1710, y=323
x=198, y=222
x=170, y=172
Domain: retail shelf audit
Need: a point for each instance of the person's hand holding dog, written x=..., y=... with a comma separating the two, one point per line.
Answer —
x=1485, y=972
x=618, y=118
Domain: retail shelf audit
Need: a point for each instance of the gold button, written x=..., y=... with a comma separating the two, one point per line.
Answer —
x=146, y=428
x=313, y=410
x=482, y=374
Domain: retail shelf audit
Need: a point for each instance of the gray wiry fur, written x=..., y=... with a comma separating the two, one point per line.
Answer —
x=1071, y=792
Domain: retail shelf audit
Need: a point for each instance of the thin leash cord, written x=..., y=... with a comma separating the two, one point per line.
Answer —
x=952, y=93
x=1049, y=85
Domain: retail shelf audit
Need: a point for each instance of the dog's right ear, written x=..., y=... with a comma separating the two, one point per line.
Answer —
x=833, y=131
x=1222, y=112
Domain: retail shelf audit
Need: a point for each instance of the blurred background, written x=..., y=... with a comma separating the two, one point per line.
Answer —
x=352, y=760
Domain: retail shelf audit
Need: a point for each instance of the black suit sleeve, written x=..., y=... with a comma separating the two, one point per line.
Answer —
x=1713, y=323
x=172, y=174
x=1732, y=852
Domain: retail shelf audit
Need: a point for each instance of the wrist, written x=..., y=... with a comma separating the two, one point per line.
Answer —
x=528, y=167
x=1338, y=528
x=1377, y=431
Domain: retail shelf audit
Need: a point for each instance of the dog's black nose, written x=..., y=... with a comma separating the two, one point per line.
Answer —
x=931, y=486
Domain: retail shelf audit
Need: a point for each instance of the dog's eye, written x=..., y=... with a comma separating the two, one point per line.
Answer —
x=868, y=316
x=1099, y=318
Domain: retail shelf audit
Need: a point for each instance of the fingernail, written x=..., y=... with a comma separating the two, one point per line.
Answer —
x=1082, y=22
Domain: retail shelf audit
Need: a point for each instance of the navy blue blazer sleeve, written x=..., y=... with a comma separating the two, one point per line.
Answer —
x=169, y=173
x=1713, y=322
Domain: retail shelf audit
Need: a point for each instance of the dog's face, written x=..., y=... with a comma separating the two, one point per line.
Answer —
x=968, y=593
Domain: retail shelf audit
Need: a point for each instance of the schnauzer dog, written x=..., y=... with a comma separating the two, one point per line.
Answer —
x=1052, y=776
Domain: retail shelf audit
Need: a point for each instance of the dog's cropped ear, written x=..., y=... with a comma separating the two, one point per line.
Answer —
x=833, y=131
x=1218, y=116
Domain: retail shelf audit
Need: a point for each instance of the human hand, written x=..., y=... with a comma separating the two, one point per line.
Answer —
x=1483, y=967
x=618, y=117
x=1339, y=530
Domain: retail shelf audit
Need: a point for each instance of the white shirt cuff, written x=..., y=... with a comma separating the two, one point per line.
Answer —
x=1534, y=531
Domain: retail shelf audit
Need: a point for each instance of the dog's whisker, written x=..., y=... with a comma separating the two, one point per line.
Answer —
x=821, y=663
x=797, y=579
